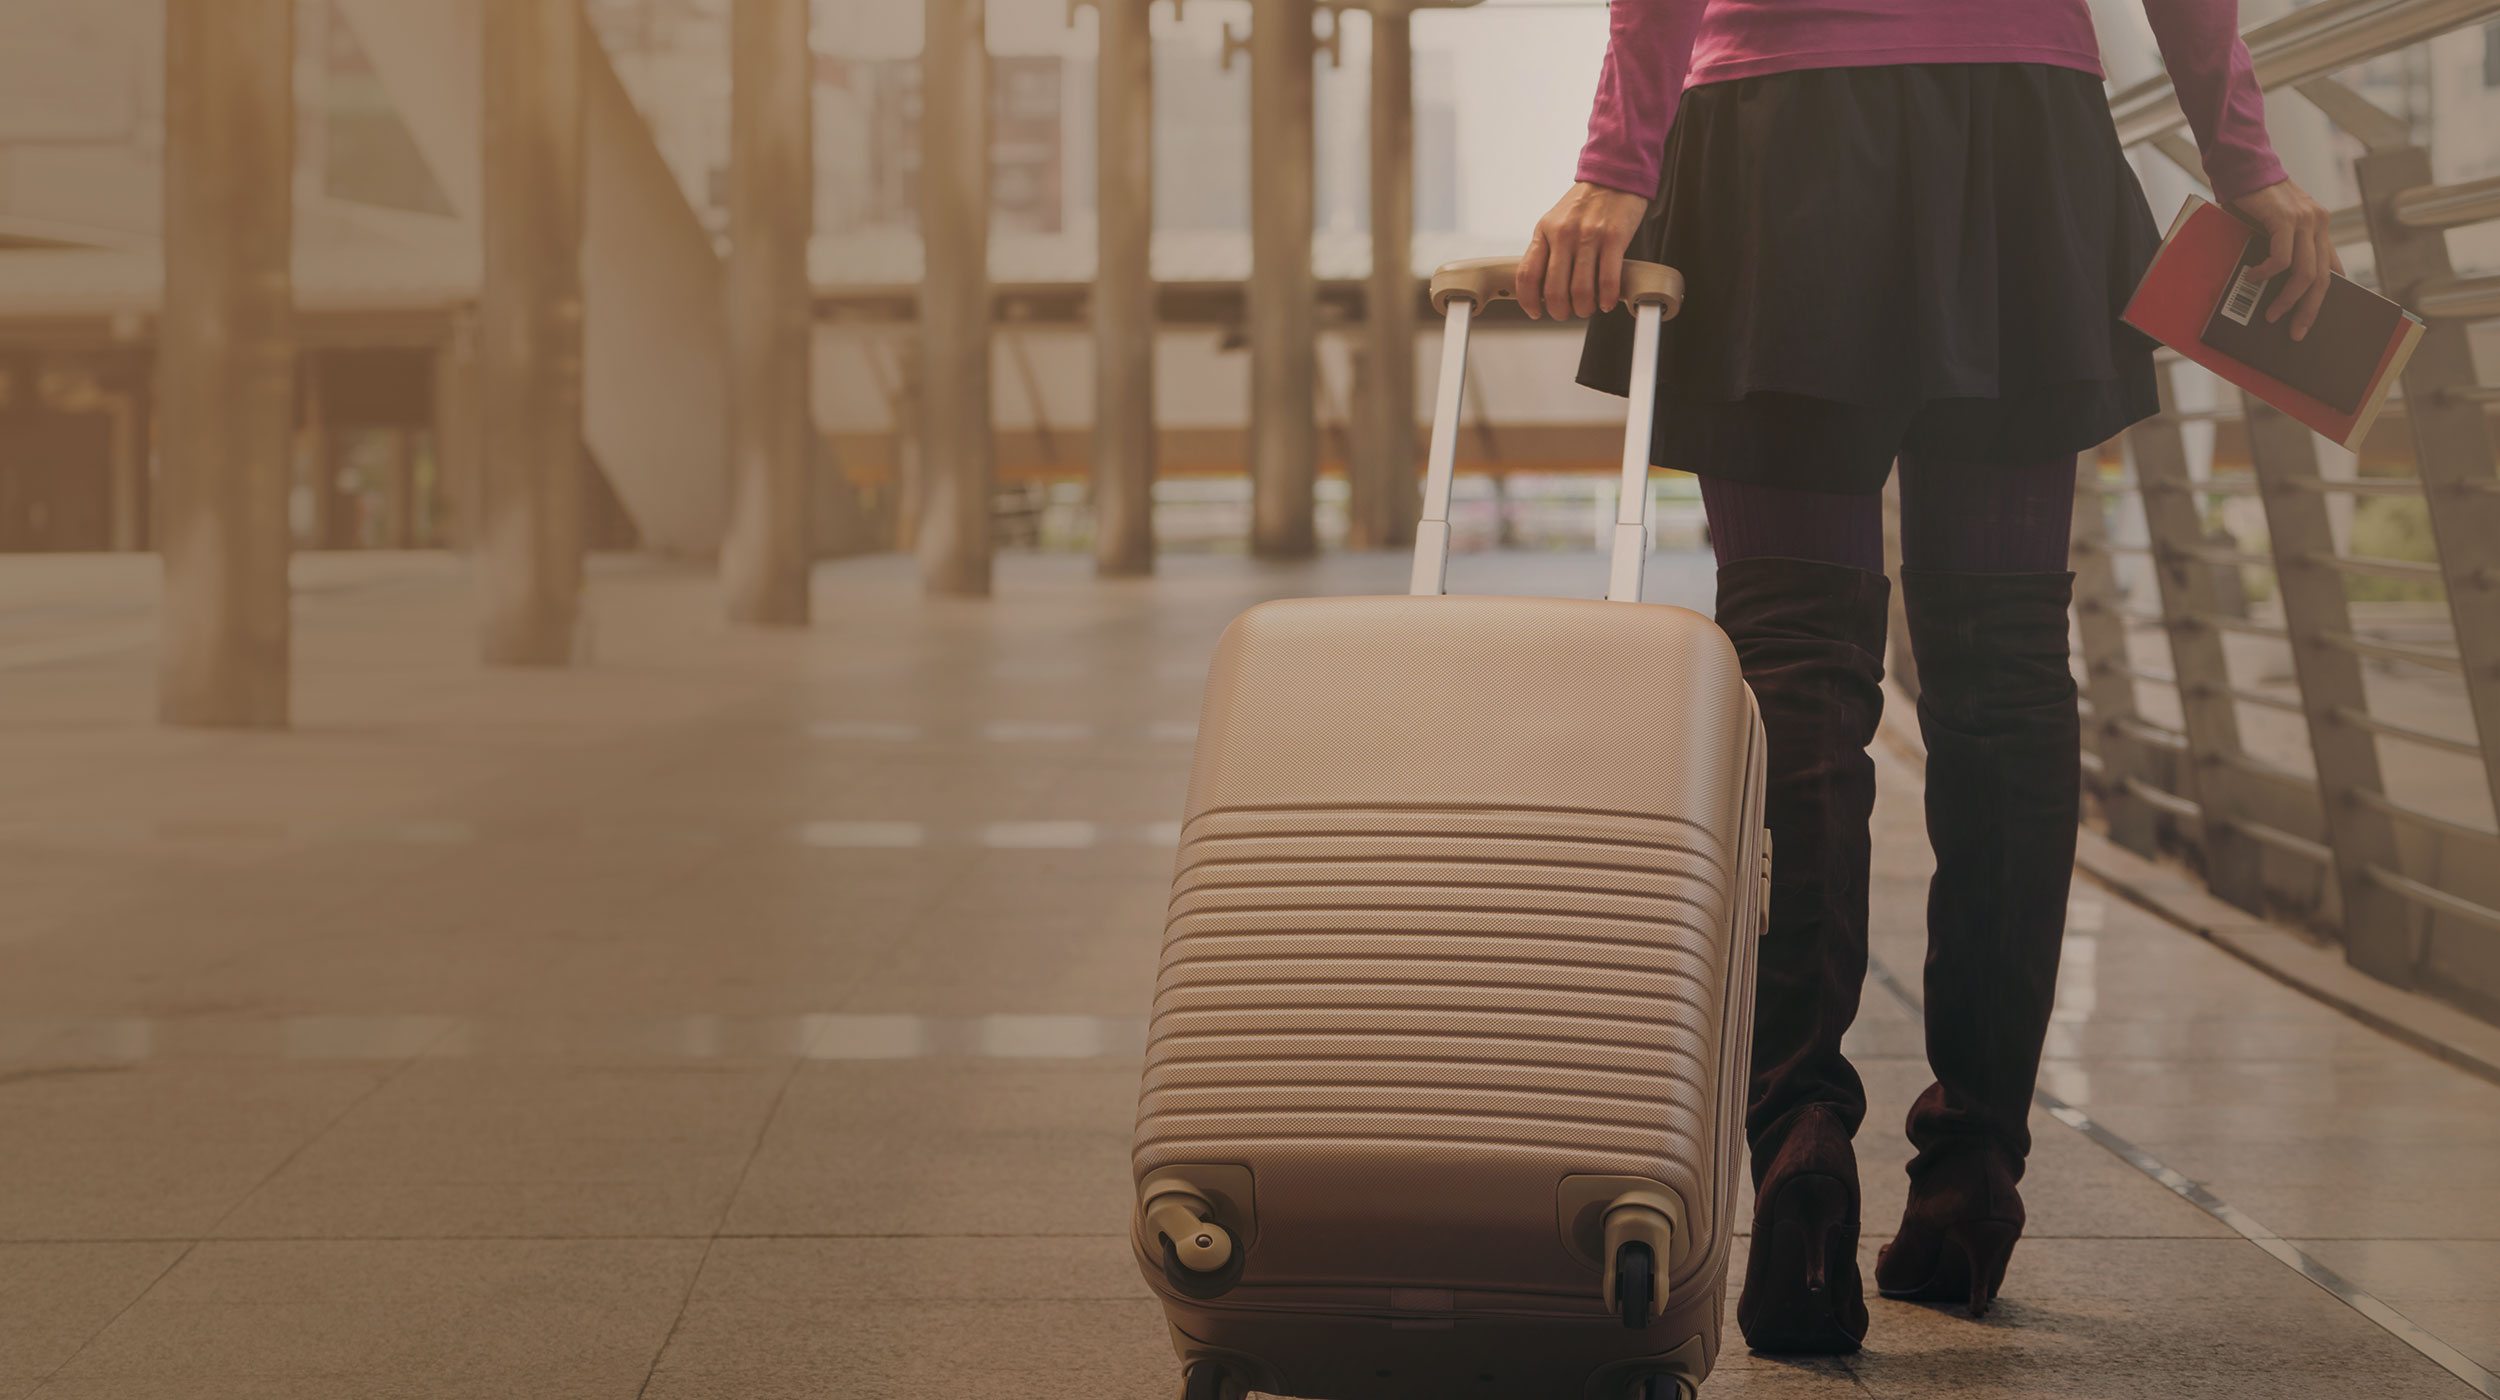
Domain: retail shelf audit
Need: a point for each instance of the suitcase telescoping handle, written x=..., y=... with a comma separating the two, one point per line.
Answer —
x=1655, y=292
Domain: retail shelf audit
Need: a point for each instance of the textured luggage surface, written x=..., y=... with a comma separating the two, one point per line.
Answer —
x=1464, y=908
x=1449, y=1041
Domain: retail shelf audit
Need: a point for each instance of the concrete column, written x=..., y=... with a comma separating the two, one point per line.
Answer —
x=456, y=434
x=1384, y=500
x=1283, y=292
x=955, y=444
x=772, y=430
x=530, y=331
x=227, y=362
x=403, y=488
x=1124, y=292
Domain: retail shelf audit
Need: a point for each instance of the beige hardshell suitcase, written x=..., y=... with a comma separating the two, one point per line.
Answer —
x=1445, y=1085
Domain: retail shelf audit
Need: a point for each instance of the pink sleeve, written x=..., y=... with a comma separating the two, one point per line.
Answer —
x=2217, y=87
x=1648, y=48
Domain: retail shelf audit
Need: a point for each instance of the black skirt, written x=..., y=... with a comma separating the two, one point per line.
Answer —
x=1925, y=258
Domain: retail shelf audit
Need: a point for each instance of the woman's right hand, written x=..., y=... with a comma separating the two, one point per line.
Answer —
x=2300, y=242
x=1574, y=264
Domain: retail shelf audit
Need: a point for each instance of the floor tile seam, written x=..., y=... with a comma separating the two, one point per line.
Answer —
x=46, y=1378
x=387, y=1078
x=750, y=1235
x=729, y=1203
x=239, y=1202
x=2421, y=1340
x=96, y=1241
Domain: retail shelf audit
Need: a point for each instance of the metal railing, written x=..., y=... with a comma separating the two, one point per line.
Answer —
x=2413, y=894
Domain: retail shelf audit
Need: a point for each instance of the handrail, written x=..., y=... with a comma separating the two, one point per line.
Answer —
x=2168, y=801
x=2459, y=298
x=2450, y=206
x=2303, y=44
x=2438, y=899
x=2141, y=764
x=2393, y=651
x=2316, y=852
x=2384, y=805
x=2403, y=570
x=2346, y=714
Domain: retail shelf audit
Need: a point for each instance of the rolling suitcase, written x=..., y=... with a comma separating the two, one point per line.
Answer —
x=1445, y=1082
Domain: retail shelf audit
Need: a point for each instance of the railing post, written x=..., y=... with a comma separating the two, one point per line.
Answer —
x=767, y=558
x=2101, y=630
x=2452, y=444
x=1283, y=293
x=2232, y=868
x=1124, y=291
x=2378, y=925
x=953, y=526
x=228, y=364
x=529, y=529
x=1384, y=499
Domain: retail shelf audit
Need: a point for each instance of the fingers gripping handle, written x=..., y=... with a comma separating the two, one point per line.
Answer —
x=1487, y=280
x=1631, y=533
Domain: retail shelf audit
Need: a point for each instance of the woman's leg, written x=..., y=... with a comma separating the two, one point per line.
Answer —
x=1803, y=597
x=1985, y=587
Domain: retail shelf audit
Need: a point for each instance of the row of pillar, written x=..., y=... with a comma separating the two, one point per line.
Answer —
x=229, y=353
x=1282, y=297
x=227, y=346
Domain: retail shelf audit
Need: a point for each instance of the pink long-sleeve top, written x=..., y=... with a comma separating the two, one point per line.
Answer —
x=1658, y=48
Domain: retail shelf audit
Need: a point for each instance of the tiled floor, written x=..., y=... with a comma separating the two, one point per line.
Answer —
x=756, y=1014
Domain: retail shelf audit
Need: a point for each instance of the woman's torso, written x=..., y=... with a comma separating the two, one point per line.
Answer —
x=1743, y=38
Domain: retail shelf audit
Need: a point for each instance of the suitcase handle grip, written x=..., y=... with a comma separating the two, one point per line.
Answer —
x=1457, y=290
x=1487, y=280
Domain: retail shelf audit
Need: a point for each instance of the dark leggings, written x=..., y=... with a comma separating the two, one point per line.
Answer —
x=1955, y=518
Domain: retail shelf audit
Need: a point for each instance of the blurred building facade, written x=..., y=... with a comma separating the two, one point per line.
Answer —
x=386, y=254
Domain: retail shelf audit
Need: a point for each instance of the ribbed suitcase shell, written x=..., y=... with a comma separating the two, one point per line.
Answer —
x=1466, y=904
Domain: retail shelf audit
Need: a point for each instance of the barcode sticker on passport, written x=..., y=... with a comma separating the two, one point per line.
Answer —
x=2242, y=303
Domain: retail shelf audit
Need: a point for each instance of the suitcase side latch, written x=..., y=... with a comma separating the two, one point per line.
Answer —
x=1762, y=924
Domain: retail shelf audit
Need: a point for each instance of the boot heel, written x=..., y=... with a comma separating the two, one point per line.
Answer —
x=1986, y=1247
x=1817, y=1208
x=1802, y=1294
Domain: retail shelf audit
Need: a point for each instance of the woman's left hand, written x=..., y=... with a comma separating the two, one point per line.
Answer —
x=2298, y=242
x=1574, y=264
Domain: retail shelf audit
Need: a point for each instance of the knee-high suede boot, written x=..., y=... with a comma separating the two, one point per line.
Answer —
x=1997, y=709
x=1811, y=638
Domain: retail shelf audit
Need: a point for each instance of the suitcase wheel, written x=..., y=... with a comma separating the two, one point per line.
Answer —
x=1208, y=1380
x=1662, y=1387
x=1203, y=1283
x=1636, y=1284
x=1201, y=1259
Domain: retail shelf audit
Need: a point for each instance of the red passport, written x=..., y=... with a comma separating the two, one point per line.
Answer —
x=2200, y=299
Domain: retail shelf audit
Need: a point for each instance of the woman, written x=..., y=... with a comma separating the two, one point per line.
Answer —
x=1908, y=232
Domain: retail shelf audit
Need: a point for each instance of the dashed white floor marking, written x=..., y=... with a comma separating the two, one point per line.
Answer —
x=1011, y=731
x=1040, y=836
x=865, y=730
x=853, y=835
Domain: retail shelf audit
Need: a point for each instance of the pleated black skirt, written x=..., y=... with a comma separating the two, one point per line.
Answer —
x=1925, y=258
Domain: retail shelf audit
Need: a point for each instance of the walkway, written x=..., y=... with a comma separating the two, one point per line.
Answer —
x=757, y=1015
